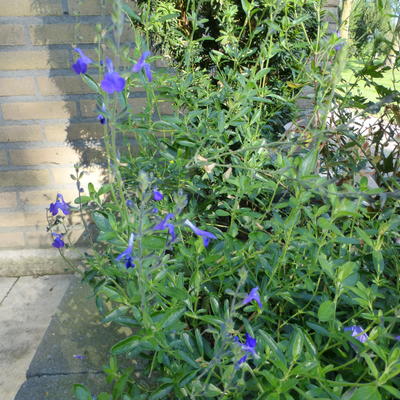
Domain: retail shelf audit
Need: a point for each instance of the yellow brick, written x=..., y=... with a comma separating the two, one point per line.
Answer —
x=24, y=8
x=38, y=110
x=62, y=34
x=88, y=108
x=11, y=34
x=95, y=175
x=332, y=3
x=39, y=239
x=45, y=197
x=8, y=199
x=89, y=7
x=138, y=104
x=59, y=85
x=86, y=131
x=24, y=133
x=24, y=178
x=43, y=239
x=24, y=86
x=11, y=240
x=49, y=155
x=165, y=108
x=9, y=220
x=3, y=157
x=26, y=60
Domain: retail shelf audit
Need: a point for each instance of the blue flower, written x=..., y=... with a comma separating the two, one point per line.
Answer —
x=397, y=338
x=206, y=236
x=112, y=81
x=127, y=253
x=154, y=210
x=142, y=64
x=58, y=240
x=357, y=332
x=81, y=64
x=253, y=295
x=129, y=203
x=165, y=225
x=79, y=357
x=249, y=347
x=60, y=204
x=101, y=117
x=339, y=45
x=157, y=196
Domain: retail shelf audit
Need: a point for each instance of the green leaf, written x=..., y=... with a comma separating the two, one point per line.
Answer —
x=308, y=163
x=81, y=393
x=132, y=14
x=296, y=345
x=326, y=311
x=366, y=393
x=212, y=391
x=318, y=328
x=392, y=391
x=91, y=83
x=82, y=200
x=161, y=393
x=113, y=315
x=126, y=345
x=379, y=263
x=275, y=349
x=104, y=189
x=101, y=222
x=371, y=365
x=328, y=225
x=345, y=270
x=364, y=236
x=168, y=17
x=104, y=396
x=171, y=318
x=246, y=7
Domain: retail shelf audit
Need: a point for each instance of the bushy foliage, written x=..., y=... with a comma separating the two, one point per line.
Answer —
x=241, y=263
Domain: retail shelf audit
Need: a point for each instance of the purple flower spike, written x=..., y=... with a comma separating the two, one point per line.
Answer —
x=357, y=332
x=340, y=44
x=142, y=64
x=397, y=338
x=58, y=242
x=81, y=64
x=206, y=236
x=157, y=196
x=165, y=225
x=249, y=347
x=60, y=204
x=112, y=81
x=253, y=295
x=101, y=117
x=127, y=253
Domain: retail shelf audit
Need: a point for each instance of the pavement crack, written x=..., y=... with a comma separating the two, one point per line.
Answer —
x=9, y=290
x=46, y=374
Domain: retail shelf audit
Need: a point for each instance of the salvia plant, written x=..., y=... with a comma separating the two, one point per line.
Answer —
x=242, y=267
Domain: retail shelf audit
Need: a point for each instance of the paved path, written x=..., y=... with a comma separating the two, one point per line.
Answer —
x=26, y=307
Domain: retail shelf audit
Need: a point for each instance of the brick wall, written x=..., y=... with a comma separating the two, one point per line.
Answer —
x=47, y=119
x=47, y=115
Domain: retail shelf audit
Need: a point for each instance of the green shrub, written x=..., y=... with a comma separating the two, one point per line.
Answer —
x=287, y=284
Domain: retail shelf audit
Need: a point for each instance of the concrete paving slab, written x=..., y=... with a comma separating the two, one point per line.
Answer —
x=42, y=387
x=5, y=285
x=75, y=330
x=24, y=316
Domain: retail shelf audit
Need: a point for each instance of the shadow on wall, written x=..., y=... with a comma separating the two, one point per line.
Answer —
x=66, y=107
